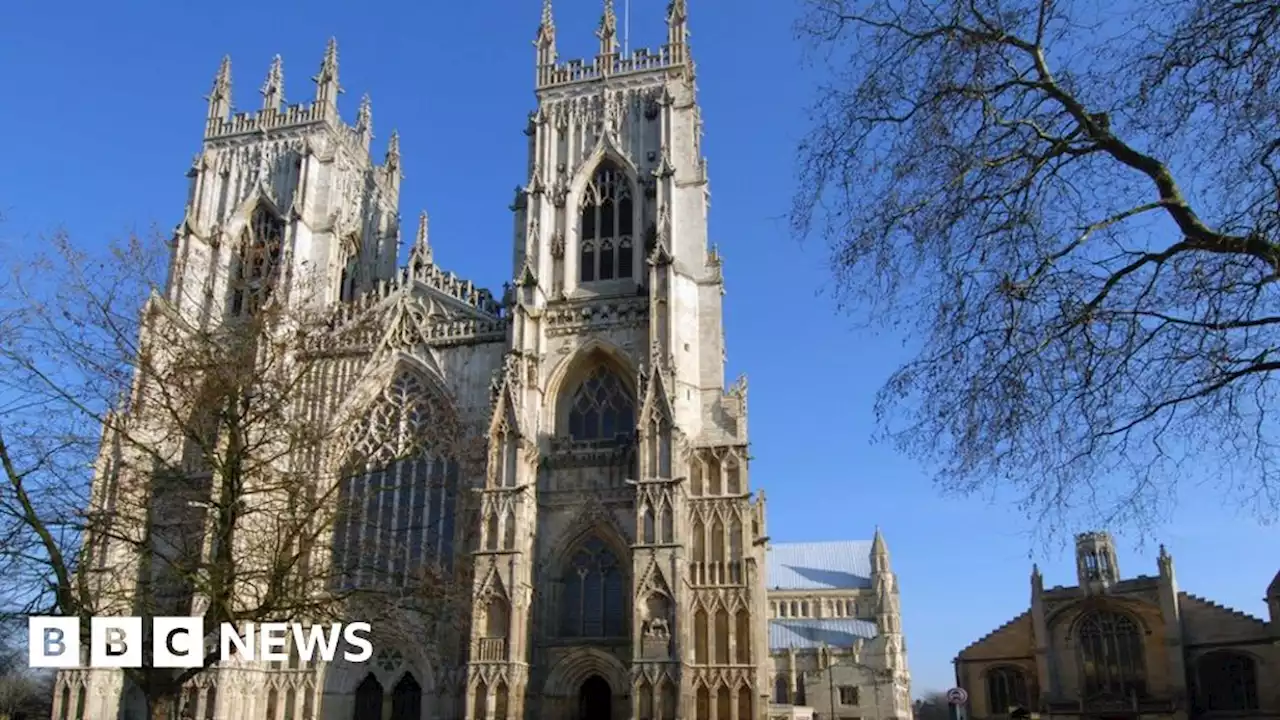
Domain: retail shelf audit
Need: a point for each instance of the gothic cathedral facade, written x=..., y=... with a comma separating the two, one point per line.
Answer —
x=620, y=563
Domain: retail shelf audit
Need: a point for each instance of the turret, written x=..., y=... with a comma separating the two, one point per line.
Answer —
x=1096, y=565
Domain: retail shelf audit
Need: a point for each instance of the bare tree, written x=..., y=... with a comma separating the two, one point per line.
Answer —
x=24, y=693
x=160, y=462
x=1073, y=209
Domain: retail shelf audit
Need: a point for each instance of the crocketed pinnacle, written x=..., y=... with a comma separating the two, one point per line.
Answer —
x=420, y=253
x=273, y=87
x=608, y=32
x=364, y=118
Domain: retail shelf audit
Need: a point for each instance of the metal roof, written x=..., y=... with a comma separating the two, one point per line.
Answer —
x=838, y=565
x=812, y=633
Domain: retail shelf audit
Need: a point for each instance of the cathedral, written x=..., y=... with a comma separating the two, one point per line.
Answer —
x=619, y=566
x=1117, y=647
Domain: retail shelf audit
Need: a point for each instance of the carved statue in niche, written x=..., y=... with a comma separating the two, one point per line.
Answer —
x=656, y=640
x=557, y=244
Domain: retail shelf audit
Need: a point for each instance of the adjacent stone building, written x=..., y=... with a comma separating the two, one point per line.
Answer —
x=621, y=563
x=1110, y=647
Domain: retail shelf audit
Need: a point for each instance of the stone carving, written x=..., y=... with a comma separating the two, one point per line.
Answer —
x=557, y=244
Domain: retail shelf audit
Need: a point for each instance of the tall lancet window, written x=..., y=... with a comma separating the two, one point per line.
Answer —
x=601, y=408
x=257, y=264
x=592, y=603
x=606, y=232
x=398, y=503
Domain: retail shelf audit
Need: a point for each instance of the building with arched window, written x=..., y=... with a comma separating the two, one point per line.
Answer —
x=552, y=483
x=1115, y=647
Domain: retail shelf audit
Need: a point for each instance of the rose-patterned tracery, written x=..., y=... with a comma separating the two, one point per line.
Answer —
x=601, y=408
x=398, y=501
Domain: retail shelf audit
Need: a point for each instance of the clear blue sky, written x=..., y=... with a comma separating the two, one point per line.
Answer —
x=104, y=110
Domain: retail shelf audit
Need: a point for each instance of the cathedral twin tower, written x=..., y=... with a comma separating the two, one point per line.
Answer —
x=614, y=550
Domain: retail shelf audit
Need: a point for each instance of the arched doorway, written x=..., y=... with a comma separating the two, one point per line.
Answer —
x=595, y=699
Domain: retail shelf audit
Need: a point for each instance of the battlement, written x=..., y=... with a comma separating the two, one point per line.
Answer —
x=608, y=62
x=639, y=61
x=264, y=120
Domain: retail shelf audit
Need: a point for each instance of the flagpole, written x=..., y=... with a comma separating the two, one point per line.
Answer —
x=626, y=27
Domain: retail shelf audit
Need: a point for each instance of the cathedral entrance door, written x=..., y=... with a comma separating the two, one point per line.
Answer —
x=594, y=699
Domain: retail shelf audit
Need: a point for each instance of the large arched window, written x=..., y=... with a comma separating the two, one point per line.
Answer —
x=397, y=505
x=594, y=583
x=1111, y=656
x=601, y=407
x=1226, y=680
x=1006, y=688
x=257, y=265
x=606, y=234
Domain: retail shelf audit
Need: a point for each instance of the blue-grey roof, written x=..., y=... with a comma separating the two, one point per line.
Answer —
x=808, y=634
x=839, y=565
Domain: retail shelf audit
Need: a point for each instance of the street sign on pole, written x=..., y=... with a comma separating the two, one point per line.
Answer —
x=957, y=696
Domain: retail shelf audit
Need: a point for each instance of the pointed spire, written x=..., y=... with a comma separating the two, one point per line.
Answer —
x=327, y=87
x=220, y=95
x=273, y=88
x=608, y=32
x=420, y=253
x=546, y=26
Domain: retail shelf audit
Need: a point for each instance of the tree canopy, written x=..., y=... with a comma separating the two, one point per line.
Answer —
x=1073, y=210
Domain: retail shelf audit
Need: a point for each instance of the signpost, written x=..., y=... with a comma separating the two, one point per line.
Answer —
x=956, y=699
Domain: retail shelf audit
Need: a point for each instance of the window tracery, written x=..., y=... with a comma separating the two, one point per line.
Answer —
x=398, y=503
x=593, y=601
x=1111, y=655
x=1227, y=681
x=606, y=229
x=601, y=407
x=1006, y=688
x=258, y=264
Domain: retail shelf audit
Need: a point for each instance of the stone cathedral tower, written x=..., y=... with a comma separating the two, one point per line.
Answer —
x=570, y=451
x=625, y=568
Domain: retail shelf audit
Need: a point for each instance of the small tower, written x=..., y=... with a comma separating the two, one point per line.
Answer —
x=677, y=30
x=1096, y=564
x=364, y=121
x=888, y=607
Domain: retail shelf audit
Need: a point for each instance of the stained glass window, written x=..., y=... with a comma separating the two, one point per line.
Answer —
x=593, y=593
x=1111, y=653
x=398, y=503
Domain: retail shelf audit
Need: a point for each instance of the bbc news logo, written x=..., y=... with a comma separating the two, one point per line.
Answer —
x=179, y=642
